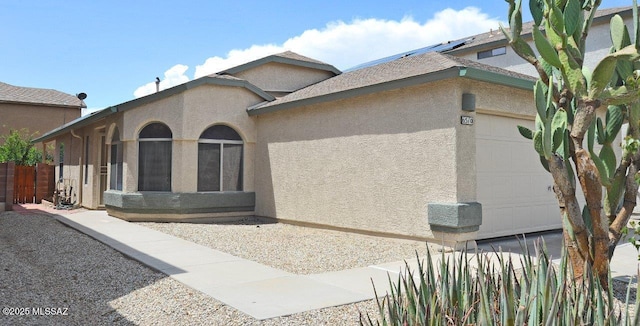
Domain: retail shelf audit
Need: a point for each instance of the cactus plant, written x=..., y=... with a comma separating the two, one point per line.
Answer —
x=568, y=97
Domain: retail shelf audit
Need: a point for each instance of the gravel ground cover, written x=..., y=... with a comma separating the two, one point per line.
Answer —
x=44, y=264
x=63, y=277
x=295, y=249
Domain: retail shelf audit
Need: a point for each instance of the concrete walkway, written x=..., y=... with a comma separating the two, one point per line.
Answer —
x=261, y=291
x=258, y=290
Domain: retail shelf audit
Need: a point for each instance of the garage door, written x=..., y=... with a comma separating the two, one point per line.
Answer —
x=514, y=189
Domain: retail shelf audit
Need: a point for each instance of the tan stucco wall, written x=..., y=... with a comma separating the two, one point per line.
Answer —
x=370, y=163
x=278, y=77
x=188, y=114
x=501, y=100
x=38, y=119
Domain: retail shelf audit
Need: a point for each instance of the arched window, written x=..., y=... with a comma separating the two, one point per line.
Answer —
x=116, y=161
x=220, y=160
x=154, y=159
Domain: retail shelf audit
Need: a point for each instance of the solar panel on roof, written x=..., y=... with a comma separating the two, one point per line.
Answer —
x=431, y=48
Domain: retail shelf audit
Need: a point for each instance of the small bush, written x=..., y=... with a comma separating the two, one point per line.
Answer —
x=453, y=292
x=17, y=147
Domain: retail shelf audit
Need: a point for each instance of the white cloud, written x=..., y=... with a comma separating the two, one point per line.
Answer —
x=86, y=111
x=235, y=58
x=172, y=77
x=345, y=45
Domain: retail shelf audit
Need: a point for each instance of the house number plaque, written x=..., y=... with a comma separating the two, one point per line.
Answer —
x=466, y=120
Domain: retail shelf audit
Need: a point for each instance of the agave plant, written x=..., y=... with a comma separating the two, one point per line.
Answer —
x=454, y=292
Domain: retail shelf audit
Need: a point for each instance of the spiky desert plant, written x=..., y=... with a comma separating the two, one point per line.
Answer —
x=568, y=97
x=494, y=292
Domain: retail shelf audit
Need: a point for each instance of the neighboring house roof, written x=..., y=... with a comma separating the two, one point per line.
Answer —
x=213, y=79
x=38, y=96
x=403, y=72
x=495, y=37
x=287, y=57
x=440, y=47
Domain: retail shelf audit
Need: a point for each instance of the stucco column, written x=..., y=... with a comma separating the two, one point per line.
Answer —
x=184, y=166
x=465, y=215
x=129, y=166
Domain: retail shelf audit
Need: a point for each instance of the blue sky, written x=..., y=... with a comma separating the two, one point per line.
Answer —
x=113, y=50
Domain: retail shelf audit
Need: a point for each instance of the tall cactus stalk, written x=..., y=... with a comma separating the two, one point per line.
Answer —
x=568, y=98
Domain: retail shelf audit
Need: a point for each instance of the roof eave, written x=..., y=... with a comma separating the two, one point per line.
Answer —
x=457, y=71
x=278, y=59
x=75, y=124
x=381, y=87
x=65, y=106
x=208, y=80
x=496, y=78
x=84, y=121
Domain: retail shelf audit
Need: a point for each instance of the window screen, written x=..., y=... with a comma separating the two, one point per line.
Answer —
x=154, y=159
x=220, y=160
x=115, y=178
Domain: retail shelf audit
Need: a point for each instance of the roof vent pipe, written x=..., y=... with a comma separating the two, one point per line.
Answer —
x=157, y=84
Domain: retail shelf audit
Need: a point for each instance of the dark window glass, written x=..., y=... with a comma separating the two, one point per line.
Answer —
x=61, y=162
x=209, y=167
x=232, y=167
x=154, y=159
x=499, y=51
x=220, y=160
x=492, y=52
x=86, y=160
x=220, y=132
x=116, y=166
x=156, y=130
x=115, y=181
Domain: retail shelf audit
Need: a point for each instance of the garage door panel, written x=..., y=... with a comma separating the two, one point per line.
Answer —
x=484, y=182
x=484, y=162
x=512, y=185
x=519, y=187
x=503, y=189
x=500, y=223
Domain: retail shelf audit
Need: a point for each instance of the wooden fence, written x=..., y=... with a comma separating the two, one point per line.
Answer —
x=25, y=184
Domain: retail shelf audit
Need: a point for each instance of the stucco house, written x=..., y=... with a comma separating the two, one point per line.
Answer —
x=422, y=145
x=389, y=149
x=36, y=109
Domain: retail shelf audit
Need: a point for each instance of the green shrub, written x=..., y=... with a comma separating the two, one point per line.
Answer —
x=454, y=292
x=17, y=147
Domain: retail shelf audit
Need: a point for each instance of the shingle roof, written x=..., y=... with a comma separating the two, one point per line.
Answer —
x=410, y=65
x=38, y=96
x=227, y=77
x=401, y=69
x=213, y=79
x=299, y=57
x=495, y=37
x=286, y=57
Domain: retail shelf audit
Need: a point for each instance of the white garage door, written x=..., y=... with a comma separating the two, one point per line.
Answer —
x=513, y=187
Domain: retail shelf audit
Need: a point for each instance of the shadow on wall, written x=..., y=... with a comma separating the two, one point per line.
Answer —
x=265, y=197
